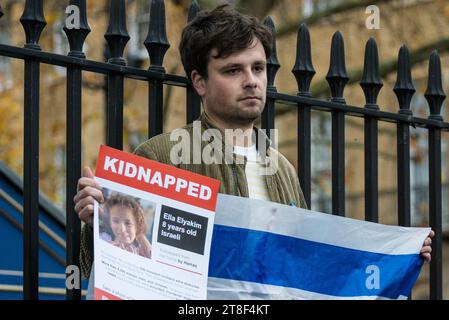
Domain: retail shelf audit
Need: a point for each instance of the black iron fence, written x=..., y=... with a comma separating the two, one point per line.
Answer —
x=157, y=44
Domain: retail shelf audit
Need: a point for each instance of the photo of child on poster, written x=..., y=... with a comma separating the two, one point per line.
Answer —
x=126, y=222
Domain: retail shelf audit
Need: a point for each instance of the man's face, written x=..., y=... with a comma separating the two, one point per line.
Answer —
x=235, y=91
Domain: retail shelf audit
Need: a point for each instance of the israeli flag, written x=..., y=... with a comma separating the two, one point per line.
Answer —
x=264, y=250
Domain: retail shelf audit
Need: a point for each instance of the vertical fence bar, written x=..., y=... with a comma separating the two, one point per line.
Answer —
x=31, y=180
x=193, y=99
x=337, y=79
x=157, y=45
x=435, y=212
x=272, y=68
x=371, y=85
x=304, y=72
x=33, y=22
x=435, y=97
x=404, y=91
x=76, y=37
x=116, y=37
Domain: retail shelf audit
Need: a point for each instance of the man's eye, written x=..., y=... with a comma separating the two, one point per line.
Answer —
x=232, y=71
x=259, y=69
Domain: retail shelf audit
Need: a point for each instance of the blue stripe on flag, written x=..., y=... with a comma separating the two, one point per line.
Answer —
x=273, y=259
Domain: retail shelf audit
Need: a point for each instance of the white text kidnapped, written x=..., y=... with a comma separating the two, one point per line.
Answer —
x=140, y=173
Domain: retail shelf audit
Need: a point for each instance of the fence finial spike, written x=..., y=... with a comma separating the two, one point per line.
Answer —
x=337, y=66
x=117, y=35
x=303, y=69
x=156, y=41
x=193, y=10
x=337, y=76
x=33, y=22
x=435, y=94
x=77, y=36
x=404, y=88
x=272, y=61
x=371, y=82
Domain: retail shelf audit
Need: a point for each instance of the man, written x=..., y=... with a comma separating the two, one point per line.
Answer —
x=224, y=53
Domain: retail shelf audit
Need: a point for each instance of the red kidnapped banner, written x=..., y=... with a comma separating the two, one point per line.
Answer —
x=157, y=178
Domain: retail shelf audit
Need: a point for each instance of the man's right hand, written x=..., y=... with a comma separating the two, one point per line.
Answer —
x=88, y=190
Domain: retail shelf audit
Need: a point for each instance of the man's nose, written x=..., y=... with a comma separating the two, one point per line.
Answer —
x=250, y=80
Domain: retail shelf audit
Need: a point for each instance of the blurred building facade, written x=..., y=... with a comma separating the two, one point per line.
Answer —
x=416, y=23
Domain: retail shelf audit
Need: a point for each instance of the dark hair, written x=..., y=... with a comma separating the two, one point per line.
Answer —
x=117, y=199
x=223, y=29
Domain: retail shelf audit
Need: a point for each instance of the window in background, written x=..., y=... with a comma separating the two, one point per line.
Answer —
x=419, y=167
x=138, y=31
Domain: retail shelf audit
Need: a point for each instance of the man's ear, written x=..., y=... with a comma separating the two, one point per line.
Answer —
x=198, y=82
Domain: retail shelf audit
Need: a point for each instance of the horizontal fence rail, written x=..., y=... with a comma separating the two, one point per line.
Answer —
x=156, y=43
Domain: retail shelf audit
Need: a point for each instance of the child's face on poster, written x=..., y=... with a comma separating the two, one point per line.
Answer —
x=123, y=224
